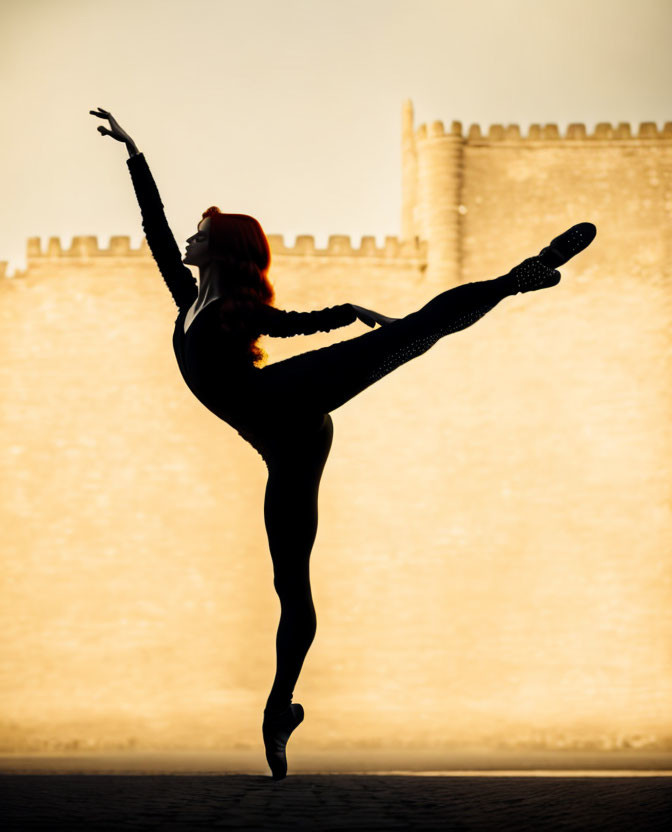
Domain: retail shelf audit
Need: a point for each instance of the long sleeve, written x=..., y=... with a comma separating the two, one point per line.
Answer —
x=180, y=281
x=281, y=323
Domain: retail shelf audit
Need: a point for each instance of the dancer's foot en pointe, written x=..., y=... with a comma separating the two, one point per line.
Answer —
x=276, y=730
x=541, y=272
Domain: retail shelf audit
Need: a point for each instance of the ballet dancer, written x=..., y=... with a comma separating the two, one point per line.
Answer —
x=283, y=409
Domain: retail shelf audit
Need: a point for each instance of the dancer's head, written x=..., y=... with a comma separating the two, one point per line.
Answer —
x=230, y=239
x=234, y=256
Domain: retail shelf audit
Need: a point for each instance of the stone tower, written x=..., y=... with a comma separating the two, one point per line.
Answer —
x=431, y=165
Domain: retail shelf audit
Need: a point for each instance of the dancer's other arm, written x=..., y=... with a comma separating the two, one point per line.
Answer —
x=282, y=323
x=179, y=279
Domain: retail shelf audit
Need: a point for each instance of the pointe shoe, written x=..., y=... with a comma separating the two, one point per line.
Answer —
x=276, y=730
x=541, y=271
x=568, y=245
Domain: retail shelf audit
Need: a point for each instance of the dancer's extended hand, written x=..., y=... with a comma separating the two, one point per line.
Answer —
x=116, y=132
x=371, y=318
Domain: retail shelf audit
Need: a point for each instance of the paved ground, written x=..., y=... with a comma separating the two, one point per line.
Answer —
x=188, y=802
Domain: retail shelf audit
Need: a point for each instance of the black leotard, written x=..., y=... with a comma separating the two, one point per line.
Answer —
x=226, y=384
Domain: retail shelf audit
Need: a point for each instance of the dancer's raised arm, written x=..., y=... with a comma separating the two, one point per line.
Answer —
x=179, y=279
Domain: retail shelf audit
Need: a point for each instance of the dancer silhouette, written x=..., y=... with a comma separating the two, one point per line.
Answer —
x=283, y=409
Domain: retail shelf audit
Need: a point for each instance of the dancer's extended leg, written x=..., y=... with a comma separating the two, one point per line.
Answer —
x=324, y=379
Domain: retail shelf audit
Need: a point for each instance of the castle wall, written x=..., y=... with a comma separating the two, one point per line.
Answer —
x=472, y=198
x=531, y=190
x=494, y=515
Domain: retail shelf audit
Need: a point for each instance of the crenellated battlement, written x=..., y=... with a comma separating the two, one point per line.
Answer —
x=443, y=185
x=647, y=131
x=84, y=246
x=338, y=245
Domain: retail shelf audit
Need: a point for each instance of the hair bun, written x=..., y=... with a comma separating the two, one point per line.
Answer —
x=211, y=211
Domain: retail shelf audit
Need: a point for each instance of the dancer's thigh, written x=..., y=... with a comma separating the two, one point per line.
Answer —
x=323, y=379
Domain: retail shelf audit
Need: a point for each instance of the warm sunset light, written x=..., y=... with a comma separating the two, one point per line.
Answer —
x=492, y=565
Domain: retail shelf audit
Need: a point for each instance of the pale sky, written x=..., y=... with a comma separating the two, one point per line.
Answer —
x=290, y=110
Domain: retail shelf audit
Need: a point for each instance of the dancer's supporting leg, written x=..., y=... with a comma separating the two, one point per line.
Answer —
x=291, y=518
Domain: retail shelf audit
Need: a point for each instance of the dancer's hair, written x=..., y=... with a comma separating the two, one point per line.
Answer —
x=238, y=241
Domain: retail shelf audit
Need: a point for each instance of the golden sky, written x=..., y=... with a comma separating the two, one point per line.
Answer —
x=289, y=109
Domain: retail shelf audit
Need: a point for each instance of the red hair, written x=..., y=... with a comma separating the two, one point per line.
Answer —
x=238, y=240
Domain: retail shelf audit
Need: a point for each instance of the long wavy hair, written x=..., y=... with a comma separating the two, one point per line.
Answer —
x=238, y=241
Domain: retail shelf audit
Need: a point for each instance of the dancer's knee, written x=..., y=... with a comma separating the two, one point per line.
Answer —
x=297, y=607
x=293, y=584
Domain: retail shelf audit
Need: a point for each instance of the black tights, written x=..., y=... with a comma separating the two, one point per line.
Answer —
x=299, y=393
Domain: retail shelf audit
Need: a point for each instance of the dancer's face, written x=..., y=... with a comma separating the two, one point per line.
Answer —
x=197, y=245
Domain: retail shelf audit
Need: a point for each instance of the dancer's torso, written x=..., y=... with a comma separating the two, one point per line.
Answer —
x=231, y=387
x=219, y=378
